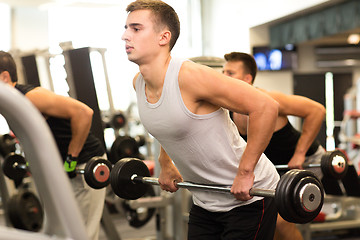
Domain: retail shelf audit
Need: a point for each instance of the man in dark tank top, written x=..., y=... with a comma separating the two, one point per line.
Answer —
x=69, y=121
x=287, y=145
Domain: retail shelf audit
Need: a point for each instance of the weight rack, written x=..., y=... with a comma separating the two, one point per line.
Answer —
x=63, y=216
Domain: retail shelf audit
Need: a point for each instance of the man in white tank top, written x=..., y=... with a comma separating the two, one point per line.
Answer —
x=182, y=104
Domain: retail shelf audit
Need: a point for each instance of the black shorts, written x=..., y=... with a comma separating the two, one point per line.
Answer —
x=254, y=221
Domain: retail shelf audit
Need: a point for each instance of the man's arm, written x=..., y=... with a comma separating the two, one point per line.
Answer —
x=205, y=86
x=312, y=113
x=169, y=174
x=79, y=114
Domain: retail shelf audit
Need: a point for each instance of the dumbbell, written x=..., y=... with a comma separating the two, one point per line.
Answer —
x=333, y=164
x=96, y=171
x=299, y=194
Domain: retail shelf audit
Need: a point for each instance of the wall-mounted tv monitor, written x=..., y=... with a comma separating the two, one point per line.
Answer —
x=275, y=59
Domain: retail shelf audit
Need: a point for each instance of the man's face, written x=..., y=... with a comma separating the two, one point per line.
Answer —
x=235, y=69
x=141, y=39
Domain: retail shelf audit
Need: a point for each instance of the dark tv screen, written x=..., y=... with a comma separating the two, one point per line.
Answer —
x=272, y=59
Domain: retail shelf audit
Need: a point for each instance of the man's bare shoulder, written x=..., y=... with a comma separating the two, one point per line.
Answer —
x=190, y=71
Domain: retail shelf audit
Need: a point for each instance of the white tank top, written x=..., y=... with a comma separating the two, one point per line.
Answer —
x=206, y=149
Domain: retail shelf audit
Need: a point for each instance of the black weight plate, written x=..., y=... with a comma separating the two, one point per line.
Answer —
x=123, y=147
x=291, y=198
x=120, y=178
x=277, y=197
x=286, y=198
x=334, y=164
x=25, y=211
x=325, y=160
x=97, y=172
x=9, y=166
x=141, y=216
x=308, y=215
x=293, y=214
x=140, y=156
x=283, y=196
x=140, y=139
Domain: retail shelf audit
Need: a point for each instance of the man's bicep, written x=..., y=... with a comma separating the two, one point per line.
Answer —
x=51, y=104
x=293, y=105
x=41, y=99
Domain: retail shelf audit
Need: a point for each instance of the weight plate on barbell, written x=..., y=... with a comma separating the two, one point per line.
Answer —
x=9, y=166
x=334, y=164
x=97, y=172
x=120, y=178
x=308, y=198
x=25, y=211
x=283, y=197
x=296, y=200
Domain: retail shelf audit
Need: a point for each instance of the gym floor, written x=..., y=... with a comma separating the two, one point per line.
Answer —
x=148, y=231
x=126, y=232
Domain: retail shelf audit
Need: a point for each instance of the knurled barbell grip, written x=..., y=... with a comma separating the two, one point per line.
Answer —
x=188, y=185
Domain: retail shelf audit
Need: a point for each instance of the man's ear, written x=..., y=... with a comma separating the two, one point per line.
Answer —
x=5, y=77
x=165, y=38
x=248, y=78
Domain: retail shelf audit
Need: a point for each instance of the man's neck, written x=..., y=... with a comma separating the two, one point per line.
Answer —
x=154, y=72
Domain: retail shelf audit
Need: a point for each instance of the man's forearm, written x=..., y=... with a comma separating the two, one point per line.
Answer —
x=164, y=159
x=80, y=129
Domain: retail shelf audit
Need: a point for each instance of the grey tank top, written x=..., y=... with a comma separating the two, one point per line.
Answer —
x=206, y=149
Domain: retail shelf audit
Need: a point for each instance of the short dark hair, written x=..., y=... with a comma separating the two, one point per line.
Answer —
x=7, y=63
x=248, y=60
x=164, y=15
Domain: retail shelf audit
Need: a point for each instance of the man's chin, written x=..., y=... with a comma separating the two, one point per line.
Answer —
x=132, y=59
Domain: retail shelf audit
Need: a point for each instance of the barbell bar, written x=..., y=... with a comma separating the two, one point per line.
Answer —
x=190, y=185
x=333, y=164
x=299, y=194
x=96, y=171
